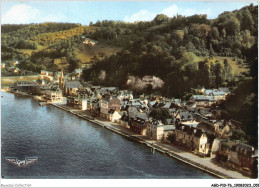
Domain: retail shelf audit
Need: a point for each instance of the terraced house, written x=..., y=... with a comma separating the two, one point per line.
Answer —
x=193, y=139
x=109, y=103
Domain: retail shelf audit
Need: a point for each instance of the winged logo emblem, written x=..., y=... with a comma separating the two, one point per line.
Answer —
x=21, y=163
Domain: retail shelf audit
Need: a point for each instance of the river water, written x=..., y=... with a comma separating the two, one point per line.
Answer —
x=69, y=147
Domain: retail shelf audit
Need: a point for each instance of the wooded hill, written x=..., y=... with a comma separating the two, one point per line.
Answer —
x=41, y=46
x=183, y=52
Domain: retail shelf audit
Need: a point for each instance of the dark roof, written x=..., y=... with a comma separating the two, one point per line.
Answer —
x=125, y=117
x=185, y=115
x=243, y=149
x=206, y=127
x=111, y=111
x=170, y=121
x=203, y=98
x=140, y=121
x=190, y=130
x=124, y=107
x=73, y=84
x=198, y=133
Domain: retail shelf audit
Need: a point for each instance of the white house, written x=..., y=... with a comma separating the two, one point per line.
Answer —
x=114, y=116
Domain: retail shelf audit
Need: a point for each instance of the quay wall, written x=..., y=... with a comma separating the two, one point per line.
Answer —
x=153, y=147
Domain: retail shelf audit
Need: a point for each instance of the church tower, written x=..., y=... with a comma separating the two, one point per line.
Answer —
x=61, y=81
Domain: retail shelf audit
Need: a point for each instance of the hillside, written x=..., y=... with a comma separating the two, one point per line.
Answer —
x=87, y=54
x=51, y=38
x=51, y=46
x=182, y=51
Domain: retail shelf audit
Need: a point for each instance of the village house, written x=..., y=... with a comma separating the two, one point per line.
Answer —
x=78, y=72
x=168, y=130
x=25, y=85
x=72, y=101
x=138, y=125
x=222, y=128
x=95, y=107
x=107, y=103
x=124, y=106
x=15, y=63
x=224, y=89
x=193, y=139
x=82, y=100
x=202, y=100
x=114, y=116
x=124, y=121
x=46, y=73
x=242, y=156
x=125, y=95
x=14, y=70
x=219, y=95
x=44, y=88
x=54, y=95
x=157, y=131
x=202, y=114
x=89, y=42
x=134, y=111
x=184, y=115
x=107, y=90
x=2, y=65
x=201, y=89
x=154, y=129
x=72, y=87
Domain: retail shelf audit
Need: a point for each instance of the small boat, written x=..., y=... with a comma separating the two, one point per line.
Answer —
x=21, y=163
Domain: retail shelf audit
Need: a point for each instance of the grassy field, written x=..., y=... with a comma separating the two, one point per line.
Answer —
x=87, y=53
x=61, y=62
x=236, y=68
x=29, y=52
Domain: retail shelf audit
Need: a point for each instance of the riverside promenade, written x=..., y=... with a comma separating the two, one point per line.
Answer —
x=208, y=165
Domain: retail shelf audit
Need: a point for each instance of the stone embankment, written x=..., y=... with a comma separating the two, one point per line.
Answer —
x=204, y=164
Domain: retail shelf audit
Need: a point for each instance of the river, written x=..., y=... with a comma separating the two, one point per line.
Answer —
x=69, y=147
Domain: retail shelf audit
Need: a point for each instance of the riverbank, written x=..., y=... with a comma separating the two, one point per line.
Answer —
x=205, y=164
x=10, y=80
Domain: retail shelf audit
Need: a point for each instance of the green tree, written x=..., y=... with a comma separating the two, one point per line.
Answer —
x=161, y=18
x=160, y=114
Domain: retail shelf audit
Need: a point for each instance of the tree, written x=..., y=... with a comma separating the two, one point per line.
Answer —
x=160, y=114
x=238, y=134
x=215, y=33
x=161, y=18
x=219, y=73
x=73, y=64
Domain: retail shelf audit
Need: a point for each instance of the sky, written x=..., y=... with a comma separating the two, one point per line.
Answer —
x=84, y=12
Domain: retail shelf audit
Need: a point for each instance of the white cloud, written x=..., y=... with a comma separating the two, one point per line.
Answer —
x=24, y=14
x=142, y=15
x=20, y=14
x=173, y=10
